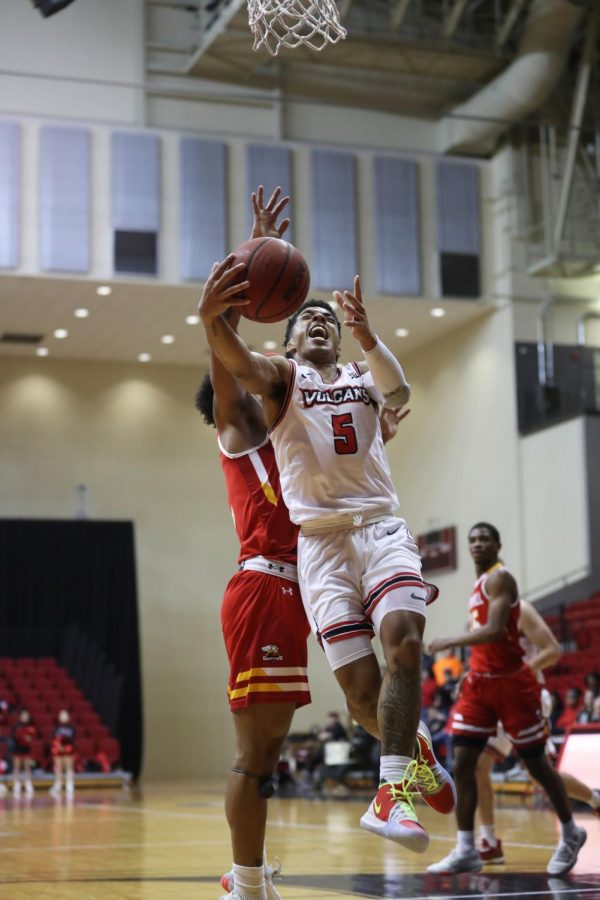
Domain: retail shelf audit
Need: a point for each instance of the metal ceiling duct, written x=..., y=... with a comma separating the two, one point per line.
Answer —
x=473, y=127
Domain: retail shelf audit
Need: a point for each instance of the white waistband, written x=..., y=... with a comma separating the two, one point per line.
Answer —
x=271, y=567
x=343, y=521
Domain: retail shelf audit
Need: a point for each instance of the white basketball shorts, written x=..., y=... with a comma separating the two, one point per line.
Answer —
x=351, y=579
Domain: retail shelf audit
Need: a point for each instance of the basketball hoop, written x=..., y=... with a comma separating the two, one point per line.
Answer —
x=290, y=23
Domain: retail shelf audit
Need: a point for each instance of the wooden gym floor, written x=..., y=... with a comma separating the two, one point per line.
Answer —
x=172, y=842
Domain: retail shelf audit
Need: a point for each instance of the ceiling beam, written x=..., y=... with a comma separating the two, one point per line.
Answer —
x=453, y=17
x=398, y=13
x=509, y=21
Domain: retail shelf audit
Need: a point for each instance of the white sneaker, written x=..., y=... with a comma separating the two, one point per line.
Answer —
x=55, y=789
x=17, y=788
x=565, y=855
x=457, y=862
x=29, y=789
x=271, y=871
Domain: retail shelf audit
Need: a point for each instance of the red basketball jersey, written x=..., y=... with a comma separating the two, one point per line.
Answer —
x=261, y=518
x=506, y=654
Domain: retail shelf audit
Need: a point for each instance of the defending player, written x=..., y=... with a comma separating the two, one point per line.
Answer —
x=264, y=624
x=541, y=650
x=499, y=687
x=359, y=567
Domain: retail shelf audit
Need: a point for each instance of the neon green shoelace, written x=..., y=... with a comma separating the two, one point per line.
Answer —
x=403, y=794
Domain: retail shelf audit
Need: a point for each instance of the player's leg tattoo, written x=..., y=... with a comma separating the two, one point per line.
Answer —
x=398, y=710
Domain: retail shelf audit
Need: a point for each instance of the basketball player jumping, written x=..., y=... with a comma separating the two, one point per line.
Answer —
x=499, y=687
x=359, y=568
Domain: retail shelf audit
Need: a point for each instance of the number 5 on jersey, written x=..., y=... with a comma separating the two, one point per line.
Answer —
x=344, y=434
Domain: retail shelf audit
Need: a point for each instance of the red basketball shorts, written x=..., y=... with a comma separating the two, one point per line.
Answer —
x=513, y=699
x=265, y=630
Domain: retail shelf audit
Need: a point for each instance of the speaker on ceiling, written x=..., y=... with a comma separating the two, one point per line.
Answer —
x=49, y=7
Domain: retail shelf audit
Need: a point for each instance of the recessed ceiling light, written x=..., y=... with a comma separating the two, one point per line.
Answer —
x=81, y=313
x=144, y=357
x=437, y=312
x=192, y=320
x=61, y=333
x=401, y=332
x=270, y=345
x=42, y=351
x=168, y=339
x=104, y=290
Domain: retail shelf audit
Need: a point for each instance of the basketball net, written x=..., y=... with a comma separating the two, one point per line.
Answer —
x=290, y=23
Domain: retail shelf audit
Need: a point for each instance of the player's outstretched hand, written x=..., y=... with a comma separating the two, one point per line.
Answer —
x=389, y=419
x=266, y=215
x=222, y=290
x=355, y=315
x=436, y=645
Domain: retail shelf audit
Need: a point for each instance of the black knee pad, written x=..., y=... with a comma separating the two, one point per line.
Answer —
x=266, y=783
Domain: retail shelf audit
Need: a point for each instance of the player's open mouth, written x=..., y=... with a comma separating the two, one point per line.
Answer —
x=318, y=331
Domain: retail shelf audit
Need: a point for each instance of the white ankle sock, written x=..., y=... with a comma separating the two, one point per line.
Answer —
x=465, y=841
x=569, y=830
x=595, y=801
x=488, y=832
x=393, y=768
x=249, y=882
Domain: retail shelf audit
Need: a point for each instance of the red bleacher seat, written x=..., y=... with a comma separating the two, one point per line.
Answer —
x=111, y=748
x=85, y=747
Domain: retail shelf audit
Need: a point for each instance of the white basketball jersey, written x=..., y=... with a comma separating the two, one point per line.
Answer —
x=328, y=446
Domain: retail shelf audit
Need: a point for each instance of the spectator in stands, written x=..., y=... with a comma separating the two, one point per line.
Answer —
x=447, y=659
x=428, y=689
x=586, y=713
x=24, y=733
x=592, y=683
x=437, y=718
x=333, y=730
x=365, y=752
x=596, y=709
x=63, y=753
x=571, y=710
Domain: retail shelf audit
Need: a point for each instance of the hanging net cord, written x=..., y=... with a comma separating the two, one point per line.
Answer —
x=290, y=23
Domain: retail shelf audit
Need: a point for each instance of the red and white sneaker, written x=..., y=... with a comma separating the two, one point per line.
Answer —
x=392, y=814
x=490, y=854
x=433, y=782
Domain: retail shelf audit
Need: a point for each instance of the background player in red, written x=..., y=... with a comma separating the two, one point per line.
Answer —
x=264, y=623
x=541, y=650
x=63, y=754
x=499, y=687
x=23, y=734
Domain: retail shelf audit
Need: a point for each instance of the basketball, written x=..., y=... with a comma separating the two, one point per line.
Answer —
x=278, y=275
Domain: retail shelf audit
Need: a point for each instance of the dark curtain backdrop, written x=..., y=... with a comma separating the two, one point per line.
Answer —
x=68, y=590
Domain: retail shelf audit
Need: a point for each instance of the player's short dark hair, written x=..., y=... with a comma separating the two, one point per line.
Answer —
x=203, y=401
x=491, y=528
x=323, y=304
